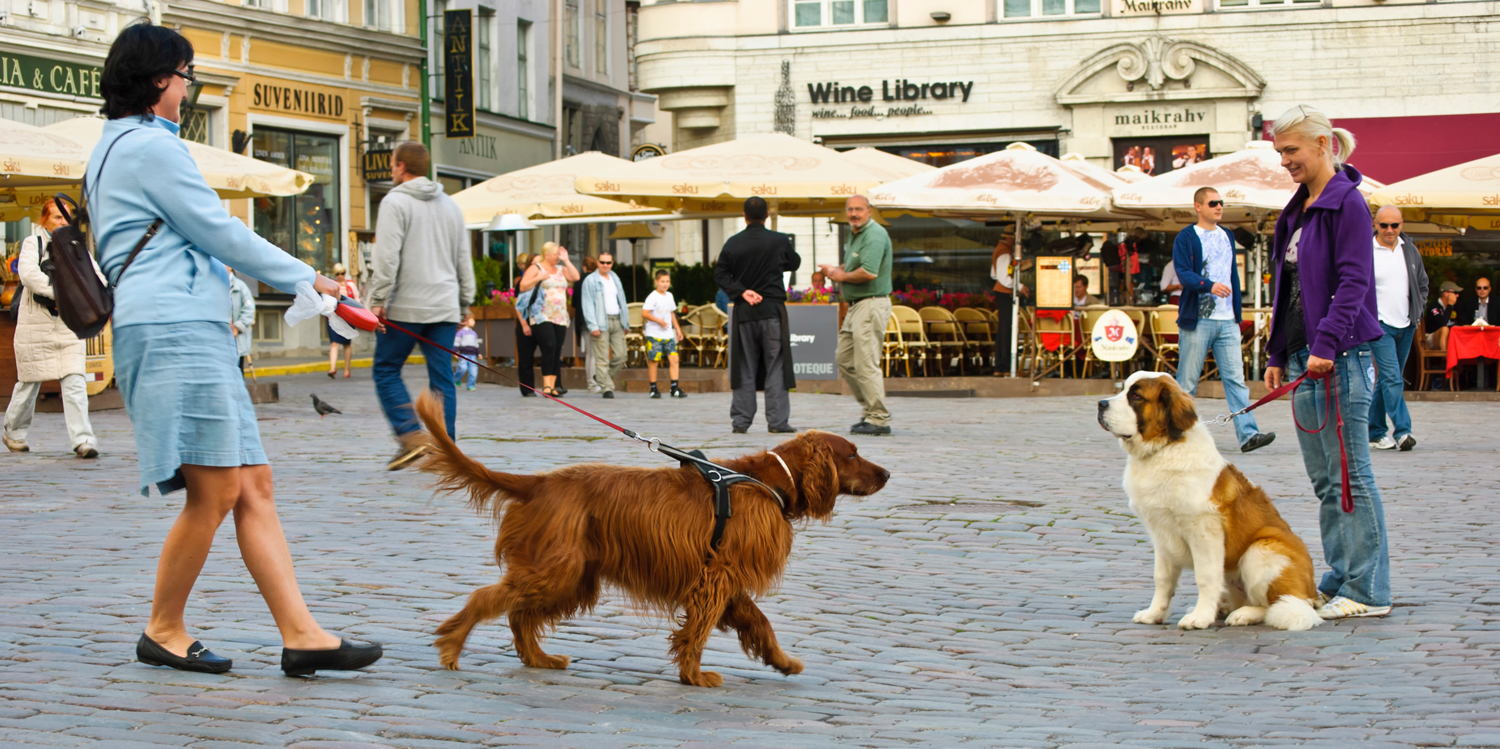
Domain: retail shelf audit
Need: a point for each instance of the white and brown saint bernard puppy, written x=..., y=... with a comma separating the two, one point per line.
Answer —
x=1203, y=514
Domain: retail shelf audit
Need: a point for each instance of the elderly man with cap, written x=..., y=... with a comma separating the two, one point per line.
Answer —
x=1400, y=290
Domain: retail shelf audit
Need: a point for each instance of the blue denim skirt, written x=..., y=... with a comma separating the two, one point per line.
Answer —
x=186, y=399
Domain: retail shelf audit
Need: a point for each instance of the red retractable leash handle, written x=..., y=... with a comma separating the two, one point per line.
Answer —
x=1346, y=501
x=355, y=314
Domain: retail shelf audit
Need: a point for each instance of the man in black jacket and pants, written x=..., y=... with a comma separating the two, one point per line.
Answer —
x=760, y=349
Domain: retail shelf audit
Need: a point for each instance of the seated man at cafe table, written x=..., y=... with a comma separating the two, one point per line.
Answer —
x=1481, y=310
x=1081, y=295
x=1443, y=316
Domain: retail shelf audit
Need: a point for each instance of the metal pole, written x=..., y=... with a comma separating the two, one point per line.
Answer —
x=425, y=111
x=557, y=60
x=1015, y=299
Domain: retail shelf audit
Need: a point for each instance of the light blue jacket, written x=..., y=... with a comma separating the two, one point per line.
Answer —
x=593, y=301
x=241, y=312
x=180, y=275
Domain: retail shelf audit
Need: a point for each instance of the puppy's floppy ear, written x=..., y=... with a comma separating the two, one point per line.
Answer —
x=1181, y=416
x=818, y=485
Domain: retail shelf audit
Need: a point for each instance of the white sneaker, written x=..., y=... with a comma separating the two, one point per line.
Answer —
x=1347, y=608
x=595, y=389
x=1385, y=443
x=1407, y=443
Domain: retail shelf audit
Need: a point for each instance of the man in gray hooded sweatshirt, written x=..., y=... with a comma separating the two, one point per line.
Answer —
x=423, y=279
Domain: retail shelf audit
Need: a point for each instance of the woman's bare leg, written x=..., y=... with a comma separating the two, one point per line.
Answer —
x=333, y=357
x=211, y=494
x=264, y=549
x=348, y=359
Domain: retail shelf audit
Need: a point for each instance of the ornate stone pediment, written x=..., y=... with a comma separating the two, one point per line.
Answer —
x=1158, y=69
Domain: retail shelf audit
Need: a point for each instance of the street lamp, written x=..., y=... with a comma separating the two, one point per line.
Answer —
x=511, y=223
x=633, y=232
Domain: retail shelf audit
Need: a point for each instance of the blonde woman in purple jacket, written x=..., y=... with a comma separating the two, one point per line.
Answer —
x=1323, y=322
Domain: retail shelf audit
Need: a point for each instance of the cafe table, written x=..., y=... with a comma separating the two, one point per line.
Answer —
x=1468, y=342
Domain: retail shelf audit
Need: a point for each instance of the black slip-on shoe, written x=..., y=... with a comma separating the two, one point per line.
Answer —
x=199, y=658
x=788, y=429
x=609, y=394
x=346, y=657
x=861, y=423
x=1257, y=441
x=873, y=430
x=740, y=430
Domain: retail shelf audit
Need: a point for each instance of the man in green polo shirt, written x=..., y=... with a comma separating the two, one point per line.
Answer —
x=866, y=279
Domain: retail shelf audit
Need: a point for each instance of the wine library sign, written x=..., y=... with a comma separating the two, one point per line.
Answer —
x=899, y=97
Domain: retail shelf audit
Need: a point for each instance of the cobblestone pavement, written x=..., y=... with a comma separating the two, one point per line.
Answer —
x=983, y=599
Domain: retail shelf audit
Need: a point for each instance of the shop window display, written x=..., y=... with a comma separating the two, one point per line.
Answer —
x=306, y=225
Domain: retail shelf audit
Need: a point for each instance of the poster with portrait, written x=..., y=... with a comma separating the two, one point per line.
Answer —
x=1157, y=156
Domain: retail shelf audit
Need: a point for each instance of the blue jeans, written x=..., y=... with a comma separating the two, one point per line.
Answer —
x=1223, y=337
x=391, y=349
x=1354, y=544
x=465, y=370
x=1390, y=353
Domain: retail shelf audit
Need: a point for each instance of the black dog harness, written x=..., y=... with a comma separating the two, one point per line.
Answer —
x=721, y=479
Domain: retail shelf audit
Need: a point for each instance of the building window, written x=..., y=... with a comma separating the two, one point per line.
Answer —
x=306, y=226
x=1236, y=4
x=811, y=14
x=572, y=46
x=484, y=97
x=523, y=69
x=382, y=14
x=327, y=10
x=194, y=125
x=267, y=328
x=1044, y=8
x=435, y=49
x=276, y=5
x=601, y=37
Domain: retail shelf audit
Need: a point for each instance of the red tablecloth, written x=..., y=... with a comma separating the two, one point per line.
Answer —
x=1051, y=341
x=1472, y=342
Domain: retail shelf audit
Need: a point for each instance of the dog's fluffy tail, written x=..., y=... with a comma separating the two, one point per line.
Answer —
x=458, y=472
x=1293, y=614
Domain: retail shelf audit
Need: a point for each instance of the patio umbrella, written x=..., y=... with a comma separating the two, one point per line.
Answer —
x=34, y=164
x=544, y=191
x=229, y=174
x=1017, y=180
x=796, y=177
x=1462, y=196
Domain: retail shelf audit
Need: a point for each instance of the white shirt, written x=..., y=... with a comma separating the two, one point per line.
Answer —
x=1001, y=271
x=1169, y=277
x=1392, y=286
x=1218, y=265
x=662, y=306
x=611, y=300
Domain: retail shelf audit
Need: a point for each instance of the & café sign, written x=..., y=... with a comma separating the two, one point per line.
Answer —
x=50, y=76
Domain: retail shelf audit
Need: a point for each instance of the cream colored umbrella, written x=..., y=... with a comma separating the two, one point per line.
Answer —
x=34, y=164
x=1251, y=181
x=1463, y=196
x=794, y=176
x=1081, y=166
x=229, y=174
x=544, y=191
x=1017, y=180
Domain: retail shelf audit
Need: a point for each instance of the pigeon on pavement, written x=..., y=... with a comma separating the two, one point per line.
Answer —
x=322, y=408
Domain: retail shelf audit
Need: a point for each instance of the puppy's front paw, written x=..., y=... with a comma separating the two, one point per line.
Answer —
x=703, y=679
x=1150, y=616
x=1196, y=620
x=1245, y=615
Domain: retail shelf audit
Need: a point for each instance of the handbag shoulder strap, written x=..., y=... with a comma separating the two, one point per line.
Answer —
x=150, y=231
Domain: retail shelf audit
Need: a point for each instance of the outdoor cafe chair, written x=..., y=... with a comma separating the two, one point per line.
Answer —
x=713, y=335
x=1430, y=362
x=1025, y=341
x=946, y=336
x=892, y=348
x=979, y=332
x=1091, y=316
x=1059, y=331
x=1163, y=325
x=913, y=334
x=687, y=348
x=1143, y=333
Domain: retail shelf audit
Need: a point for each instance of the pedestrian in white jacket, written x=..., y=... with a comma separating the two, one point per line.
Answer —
x=46, y=350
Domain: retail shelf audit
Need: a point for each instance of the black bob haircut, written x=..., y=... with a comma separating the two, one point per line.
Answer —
x=755, y=209
x=140, y=54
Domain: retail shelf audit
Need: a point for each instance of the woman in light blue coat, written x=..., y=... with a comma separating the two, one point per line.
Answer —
x=174, y=354
x=241, y=315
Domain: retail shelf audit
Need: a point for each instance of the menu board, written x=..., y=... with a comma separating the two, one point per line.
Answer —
x=1054, y=281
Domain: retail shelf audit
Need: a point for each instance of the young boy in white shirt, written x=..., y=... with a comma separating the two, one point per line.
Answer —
x=662, y=332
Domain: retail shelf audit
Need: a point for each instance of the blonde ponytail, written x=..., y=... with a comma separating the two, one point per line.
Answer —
x=1310, y=123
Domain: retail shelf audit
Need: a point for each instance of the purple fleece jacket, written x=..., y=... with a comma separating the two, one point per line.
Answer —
x=1336, y=267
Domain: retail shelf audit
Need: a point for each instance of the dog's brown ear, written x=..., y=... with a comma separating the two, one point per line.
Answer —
x=1181, y=416
x=819, y=484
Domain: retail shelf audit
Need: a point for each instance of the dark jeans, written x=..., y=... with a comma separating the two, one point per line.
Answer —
x=391, y=350
x=1003, y=303
x=551, y=337
x=525, y=360
x=760, y=341
x=1390, y=352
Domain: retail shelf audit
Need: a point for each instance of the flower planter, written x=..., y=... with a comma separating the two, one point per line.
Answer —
x=493, y=312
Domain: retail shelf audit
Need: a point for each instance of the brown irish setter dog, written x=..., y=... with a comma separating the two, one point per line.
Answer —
x=646, y=531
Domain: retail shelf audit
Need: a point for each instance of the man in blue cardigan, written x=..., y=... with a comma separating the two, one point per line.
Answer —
x=1208, y=315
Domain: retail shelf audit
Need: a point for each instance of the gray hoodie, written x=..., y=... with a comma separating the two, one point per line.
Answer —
x=423, y=272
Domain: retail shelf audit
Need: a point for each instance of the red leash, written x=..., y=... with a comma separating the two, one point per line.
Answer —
x=355, y=314
x=1337, y=412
